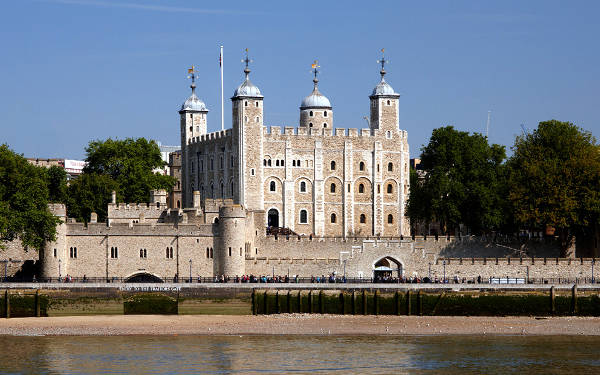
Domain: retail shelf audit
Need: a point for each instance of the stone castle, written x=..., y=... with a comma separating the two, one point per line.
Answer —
x=338, y=193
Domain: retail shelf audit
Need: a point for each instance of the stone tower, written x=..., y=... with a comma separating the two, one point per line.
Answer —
x=229, y=259
x=55, y=256
x=247, y=117
x=315, y=109
x=384, y=105
x=193, y=124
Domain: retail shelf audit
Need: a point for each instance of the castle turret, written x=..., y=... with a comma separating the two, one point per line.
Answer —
x=315, y=109
x=247, y=117
x=193, y=122
x=54, y=257
x=229, y=259
x=384, y=105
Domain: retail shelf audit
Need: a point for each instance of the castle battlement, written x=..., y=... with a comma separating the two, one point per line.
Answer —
x=221, y=134
x=136, y=207
x=270, y=131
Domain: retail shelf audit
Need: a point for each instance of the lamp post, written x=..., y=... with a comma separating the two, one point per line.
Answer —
x=190, y=270
x=59, y=274
x=444, y=263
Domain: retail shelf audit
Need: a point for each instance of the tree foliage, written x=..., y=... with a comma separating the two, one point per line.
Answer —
x=90, y=192
x=24, y=212
x=57, y=184
x=555, y=178
x=130, y=163
x=462, y=182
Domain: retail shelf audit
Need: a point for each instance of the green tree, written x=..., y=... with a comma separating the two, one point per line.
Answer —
x=90, y=192
x=24, y=212
x=554, y=179
x=130, y=163
x=57, y=184
x=461, y=182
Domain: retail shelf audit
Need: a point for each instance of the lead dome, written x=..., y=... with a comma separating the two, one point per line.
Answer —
x=193, y=103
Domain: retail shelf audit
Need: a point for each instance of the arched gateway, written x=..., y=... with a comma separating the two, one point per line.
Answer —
x=386, y=268
x=273, y=218
x=143, y=277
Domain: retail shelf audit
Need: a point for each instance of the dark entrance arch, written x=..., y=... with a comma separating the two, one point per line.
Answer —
x=143, y=278
x=273, y=218
x=387, y=268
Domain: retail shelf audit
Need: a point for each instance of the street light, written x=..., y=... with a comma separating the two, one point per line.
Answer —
x=190, y=270
x=59, y=274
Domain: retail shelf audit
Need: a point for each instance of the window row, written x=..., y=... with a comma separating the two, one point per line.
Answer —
x=310, y=125
x=332, y=187
x=311, y=114
x=211, y=163
x=278, y=163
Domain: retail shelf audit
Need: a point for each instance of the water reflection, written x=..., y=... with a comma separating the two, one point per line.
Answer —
x=297, y=354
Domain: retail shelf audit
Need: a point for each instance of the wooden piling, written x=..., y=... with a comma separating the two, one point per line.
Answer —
x=397, y=302
x=37, y=303
x=419, y=303
x=253, y=302
x=321, y=307
x=353, y=302
x=277, y=303
x=408, y=302
x=552, y=300
x=6, y=304
x=364, y=302
x=289, y=302
x=300, y=301
x=376, y=301
x=574, y=300
x=266, y=304
x=342, y=304
x=310, y=302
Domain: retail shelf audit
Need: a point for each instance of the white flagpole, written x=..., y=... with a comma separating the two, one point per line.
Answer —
x=222, y=100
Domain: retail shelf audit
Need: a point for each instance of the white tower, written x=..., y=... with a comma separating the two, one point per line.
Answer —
x=193, y=124
x=247, y=106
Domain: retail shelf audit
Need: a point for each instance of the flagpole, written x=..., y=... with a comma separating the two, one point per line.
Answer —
x=222, y=99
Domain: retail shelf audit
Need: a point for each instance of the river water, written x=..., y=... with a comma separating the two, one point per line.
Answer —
x=299, y=355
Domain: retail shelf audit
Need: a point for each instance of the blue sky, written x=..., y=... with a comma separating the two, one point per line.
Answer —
x=76, y=70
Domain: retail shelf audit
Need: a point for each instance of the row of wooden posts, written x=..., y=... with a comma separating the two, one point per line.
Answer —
x=287, y=297
x=399, y=310
x=36, y=299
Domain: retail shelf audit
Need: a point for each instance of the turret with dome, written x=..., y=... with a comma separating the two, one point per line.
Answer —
x=384, y=104
x=315, y=109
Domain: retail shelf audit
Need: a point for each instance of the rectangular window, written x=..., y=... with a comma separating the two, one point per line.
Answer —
x=55, y=253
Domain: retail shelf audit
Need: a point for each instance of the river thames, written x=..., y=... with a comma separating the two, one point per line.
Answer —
x=299, y=354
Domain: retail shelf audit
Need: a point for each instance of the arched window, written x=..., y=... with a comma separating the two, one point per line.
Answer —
x=231, y=161
x=325, y=114
x=363, y=218
x=265, y=162
x=221, y=162
x=222, y=190
x=388, y=103
x=310, y=124
x=311, y=114
x=293, y=163
x=257, y=119
x=245, y=103
x=232, y=188
x=390, y=167
x=272, y=186
x=212, y=165
x=333, y=218
x=361, y=188
x=256, y=104
x=303, y=217
x=390, y=219
x=324, y=124
x=361, y=166
x=302, y=186
x=269, y=162
x=178, y=204
x=333, y=165
x=211, y=252
x=332, y=188
x=207, y=252
x=277, y=163
x=390, y=189
x=216, y=221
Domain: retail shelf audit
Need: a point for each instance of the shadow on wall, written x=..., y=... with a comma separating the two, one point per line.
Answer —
x=486, y=248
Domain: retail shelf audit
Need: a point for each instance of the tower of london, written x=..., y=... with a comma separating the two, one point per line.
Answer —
x=314, y=179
